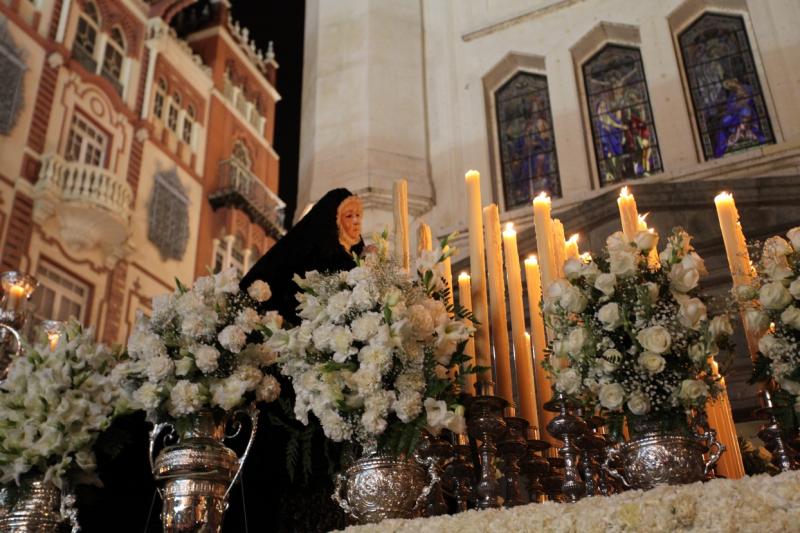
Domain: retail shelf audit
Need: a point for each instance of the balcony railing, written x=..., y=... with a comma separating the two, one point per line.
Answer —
x=113, y=80
x=240, y=189
x=93, y=205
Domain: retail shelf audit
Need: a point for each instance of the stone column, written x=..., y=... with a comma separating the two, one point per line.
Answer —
x=363, y=109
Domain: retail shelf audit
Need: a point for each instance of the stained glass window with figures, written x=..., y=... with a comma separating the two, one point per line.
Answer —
x=625, y=141
x=723, y=82
x=527, y=143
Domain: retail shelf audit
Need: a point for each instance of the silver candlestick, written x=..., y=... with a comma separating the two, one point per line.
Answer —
x=567, y=427
x=772, y=434
x=486, y=424
x=461, y=472
x=513, y=446
x=535, y=467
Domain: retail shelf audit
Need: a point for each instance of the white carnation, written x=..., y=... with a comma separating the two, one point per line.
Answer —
x=185, y=398
x=228, y=393
x=248, y=319
x=269, y=389
x=159, y=368
x=148, y=396
x=338, y=305
x=774, y=296
x=232, y=338
x=259, y=291
x=408, y=405
x=226, y=282
x=206, y=358
x=794, y=236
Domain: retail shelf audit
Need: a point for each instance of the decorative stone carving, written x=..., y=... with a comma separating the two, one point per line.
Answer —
x=12, y=71
x=168, y=214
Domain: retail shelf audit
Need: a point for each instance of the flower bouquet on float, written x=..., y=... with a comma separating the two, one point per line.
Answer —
x=633, y=342
x=772, y=314
x=197, y=366
x=372, y=359
x=56, y=401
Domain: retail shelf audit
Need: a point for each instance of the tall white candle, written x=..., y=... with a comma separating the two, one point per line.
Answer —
x=424, y=238
x=497, y=303
x=477, y=265
x=465, y=300
x=523, y=364
x=538, y=337
x=401, y=243
x=543, y=226
x=628, y=214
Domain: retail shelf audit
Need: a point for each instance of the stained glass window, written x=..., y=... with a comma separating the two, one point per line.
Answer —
x=625, y=142
x=726, y=94
x=527, y=143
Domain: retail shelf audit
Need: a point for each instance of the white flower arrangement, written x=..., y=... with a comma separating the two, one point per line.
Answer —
x=772, y=312
x=631, y=335
x=54, y=405
x=371, y=356
x=203, y=347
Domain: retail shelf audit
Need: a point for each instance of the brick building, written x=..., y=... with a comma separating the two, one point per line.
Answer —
x=135, y=148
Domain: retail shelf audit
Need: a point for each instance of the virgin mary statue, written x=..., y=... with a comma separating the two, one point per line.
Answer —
x=295, y=495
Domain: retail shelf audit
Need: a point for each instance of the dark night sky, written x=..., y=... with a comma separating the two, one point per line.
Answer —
x=281, y=21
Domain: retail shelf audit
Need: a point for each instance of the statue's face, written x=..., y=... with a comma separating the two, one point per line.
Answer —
x=350, y=213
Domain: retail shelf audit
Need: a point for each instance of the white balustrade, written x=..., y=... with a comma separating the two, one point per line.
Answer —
x=74, y=181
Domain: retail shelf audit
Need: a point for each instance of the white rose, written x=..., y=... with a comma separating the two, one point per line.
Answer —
x=609, y=315
x=652, y=362
x=611, y=396
x=605, y=283
x=556, y=289
x=655, y=338
x=794, y=289
x=794, y=236
x=774, y=296
x=568, y=381
x=777, y=247
x=573, y=300
x=575, y=341
x=259, y=291
x=791, y=317
x=698, y=353
x=694, y=261
x=693, y=390
x=778, y=271
x=720, y=326
x=616, y=242
x=573, y=268
x=158, y=368
x=646, y=240
x=622, y=264
x=746, y=293
x=683, y=278
x=757, y=321
x=590, y=271
x=639, y=403
x=692, y=312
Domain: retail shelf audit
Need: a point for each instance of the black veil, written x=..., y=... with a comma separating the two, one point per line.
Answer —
x=312, y=244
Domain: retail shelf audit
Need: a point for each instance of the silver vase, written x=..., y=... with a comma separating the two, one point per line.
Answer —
x=197, y=471
x=380, y=486
x=661, y=458
x=32, y=507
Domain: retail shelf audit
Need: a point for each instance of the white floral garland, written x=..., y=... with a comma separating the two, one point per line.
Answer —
x=761, y=503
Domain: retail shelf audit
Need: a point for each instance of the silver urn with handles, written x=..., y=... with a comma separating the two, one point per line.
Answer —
x=195, y=471
x=377, y=487
x=33, y=506
x=659, y=457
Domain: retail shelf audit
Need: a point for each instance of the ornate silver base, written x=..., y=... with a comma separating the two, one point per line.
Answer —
x=567, y=427
x=486, y=424
x=34, y=506
x=381, y=486
x=461, y=472
x=656, y=459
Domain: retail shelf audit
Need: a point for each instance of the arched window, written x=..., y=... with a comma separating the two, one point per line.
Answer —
x=726, y=94
x=112, y=58
x=160, y=97
x=527, y=143
x=625, y=142
x=241, y=155
x=188, y=123
x=86, y=37
x=172, y=114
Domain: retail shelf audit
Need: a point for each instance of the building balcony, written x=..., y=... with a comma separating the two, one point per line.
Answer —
x=240, y=189
x=92, y=206
x=84, y=58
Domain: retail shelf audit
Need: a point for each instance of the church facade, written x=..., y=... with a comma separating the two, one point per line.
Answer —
x=678, y=99
x=135, y=149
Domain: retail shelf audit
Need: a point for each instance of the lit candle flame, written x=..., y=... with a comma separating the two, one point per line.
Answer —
x=724, y=195
x=509, y=230
x=532, y=260
x=463, y=276
x=574, y=238
x=542, y=196
x=624, y=192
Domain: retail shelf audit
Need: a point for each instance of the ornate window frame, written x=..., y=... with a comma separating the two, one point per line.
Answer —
x=168, y=215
